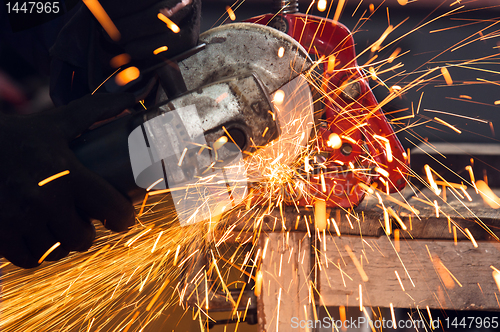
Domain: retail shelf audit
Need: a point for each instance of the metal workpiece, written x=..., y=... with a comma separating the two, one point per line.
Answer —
x=241, y=49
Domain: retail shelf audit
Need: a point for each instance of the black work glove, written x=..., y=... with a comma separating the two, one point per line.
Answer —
x=83, y=50
x=32, y=217
x=142, y=32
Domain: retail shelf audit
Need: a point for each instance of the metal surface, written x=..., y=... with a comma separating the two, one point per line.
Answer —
x=242, y=48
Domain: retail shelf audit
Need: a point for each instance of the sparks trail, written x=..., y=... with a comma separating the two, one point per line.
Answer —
x=128, y=280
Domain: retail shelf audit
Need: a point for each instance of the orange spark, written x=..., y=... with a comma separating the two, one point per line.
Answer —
x=320, y=214
x=488, y=195
x=281, y=52
x=360, y=269
x=331, y=64
x=381, y=171
x=394, y=55
x=51, y=249
x=431, y=181
x=322, y=5
x=447, y=124
x=396, y=240
x=446, y=75
x=334, y=141
x=471, y=237
x=171, y=25
x=360, y=298
x=496, y=277
x=160, y=50
x=230, y=12
x=154, y=184
x=258, y=283
x=400, y=282
x=181, y=159
x=100, y=14
x=398, y=219
x=393, y=316
x=338, y=11
x=279, y=97
x=402, y=3
x=127, y=75
x=119, y=60
x=379, y=42
x=53, y=177
x=472, y=179
x=337, y=230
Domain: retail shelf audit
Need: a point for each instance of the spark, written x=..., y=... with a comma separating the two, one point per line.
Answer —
x=447, y=125
x=360, y=269
x=400, y=282
x=160, y=49
x=394, y=55
x=258, y=283
x=472, y=179
x=393, y=316
x=181, y=159
x=496, y=277
x=402, y=3
x=220, y=142
x=119, y=60
x=230, y=12
x=446, y=75
x=281, y=52
x=334, y=141
x=154, y=184
x=331, y=64
x=156, y=242
x=381, y=171
x=320, y=214
x=279, y=97
x=171, y=25
x=127, y=75
x=338, y=11
x=398, y=219
x=431, y=181
x=103, y=18
x=51, y=249
x=378, y=43
x=335, y=226
x=52, y=178
x=471, y=237
x=488, y=195
x=429, y=313
x=132, y=240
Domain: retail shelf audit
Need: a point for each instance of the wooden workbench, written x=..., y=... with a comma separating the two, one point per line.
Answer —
x=300, y=269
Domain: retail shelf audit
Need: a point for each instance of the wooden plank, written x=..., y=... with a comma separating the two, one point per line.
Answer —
x=286, y=270
x=368, y=218
x=424, y=282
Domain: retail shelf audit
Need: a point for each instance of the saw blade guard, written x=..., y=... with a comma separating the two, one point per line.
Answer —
x=246, y=88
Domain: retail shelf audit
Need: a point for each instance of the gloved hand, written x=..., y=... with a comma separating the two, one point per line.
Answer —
x=32, y=217
x=142, y=32
x=83, y=50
